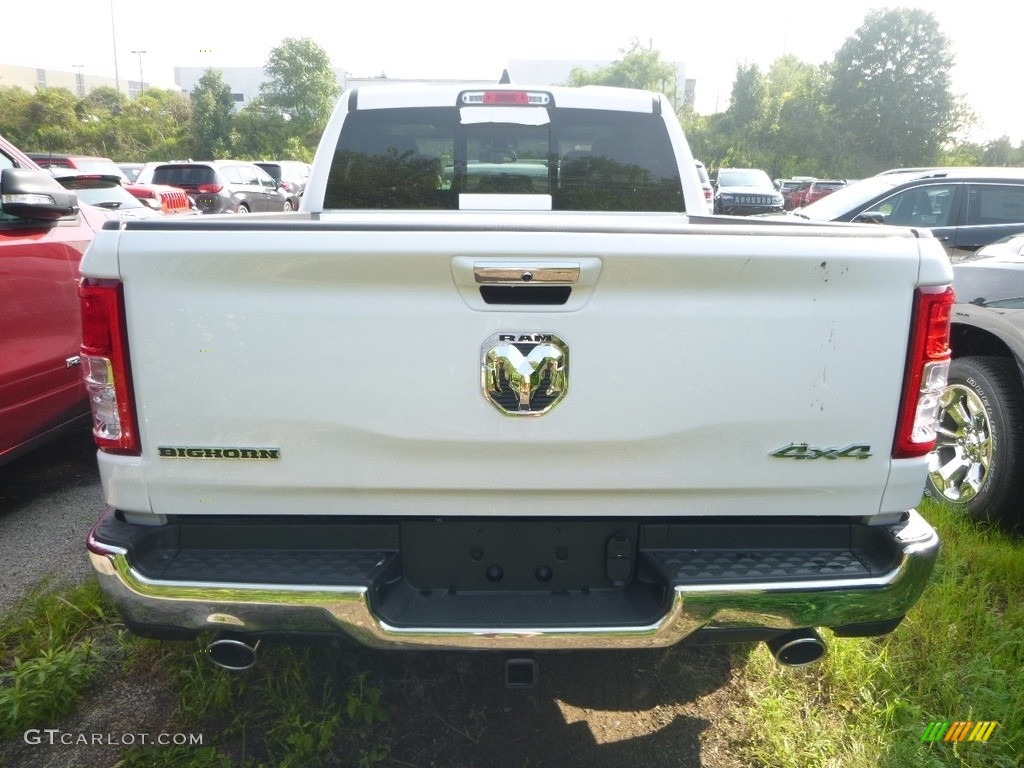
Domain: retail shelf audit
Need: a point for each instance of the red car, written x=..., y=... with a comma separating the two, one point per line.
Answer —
x=820, y=188
x=795, y=197
x=43, y=232
x=811, y=190
x=158, y=197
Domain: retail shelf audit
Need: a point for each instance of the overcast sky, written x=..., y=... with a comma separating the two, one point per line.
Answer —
x=474, y=39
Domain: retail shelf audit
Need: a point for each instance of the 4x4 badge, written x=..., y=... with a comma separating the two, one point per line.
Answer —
x=804, y=451
x=524, y=373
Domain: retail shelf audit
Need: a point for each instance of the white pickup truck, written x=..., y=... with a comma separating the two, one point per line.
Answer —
x=503, y=383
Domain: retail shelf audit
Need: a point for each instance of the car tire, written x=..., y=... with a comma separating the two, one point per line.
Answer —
x=242, y=208
x=289, y=205
x=977, y=466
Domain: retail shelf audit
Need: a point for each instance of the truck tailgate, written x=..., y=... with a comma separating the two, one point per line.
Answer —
x=339, y=371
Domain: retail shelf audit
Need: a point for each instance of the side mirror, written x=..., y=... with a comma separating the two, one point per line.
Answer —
x=870, y=217
x=35, y=195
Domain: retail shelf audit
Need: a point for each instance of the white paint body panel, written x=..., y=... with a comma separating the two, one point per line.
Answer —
x=697, y=352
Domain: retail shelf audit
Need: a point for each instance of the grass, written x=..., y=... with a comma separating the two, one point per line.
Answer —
x=48, y=654
x=959, y=655
x=300, y=707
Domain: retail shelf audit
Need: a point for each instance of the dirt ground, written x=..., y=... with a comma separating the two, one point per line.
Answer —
x=664, y=707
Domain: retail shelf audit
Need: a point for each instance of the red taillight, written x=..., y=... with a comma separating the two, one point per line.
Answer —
x=209, y=189
x=506, y=97
x=106, y=367
x=927, y=368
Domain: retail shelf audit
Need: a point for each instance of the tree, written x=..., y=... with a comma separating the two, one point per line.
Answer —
x=14, y=107
x=212, y=115
x=891, y=91
x=746, y=122
x=101, y=103
x=639, y=67
x=55, y=124
x=301, y=87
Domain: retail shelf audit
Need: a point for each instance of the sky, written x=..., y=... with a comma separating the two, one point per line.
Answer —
x=475, y=40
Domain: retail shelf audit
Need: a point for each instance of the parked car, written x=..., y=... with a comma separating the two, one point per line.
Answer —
x=785, y=186
x=88, y=163
x=705, y=184
x=104, y=191
x=978, y=463
x=43, y=232
x=291, y=175
x=819, y=188
x=966, y=208
x=164, y=198
x=744, y=192
x=159, y=197
x=224, y=186
x=131, y=170
x=795, y=197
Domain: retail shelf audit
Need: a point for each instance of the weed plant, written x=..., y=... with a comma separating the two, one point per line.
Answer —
x=959, y=655
x=47, y=654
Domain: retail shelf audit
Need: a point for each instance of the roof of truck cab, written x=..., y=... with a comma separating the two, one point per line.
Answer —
x=433, y=95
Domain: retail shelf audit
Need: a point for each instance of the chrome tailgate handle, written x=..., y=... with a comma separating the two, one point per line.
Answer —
x=523, y=273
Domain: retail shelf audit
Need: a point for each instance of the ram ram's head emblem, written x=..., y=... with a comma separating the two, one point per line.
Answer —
x=525, y=374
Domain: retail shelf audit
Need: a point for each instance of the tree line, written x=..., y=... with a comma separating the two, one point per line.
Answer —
x=884, y=101
x=284, y=122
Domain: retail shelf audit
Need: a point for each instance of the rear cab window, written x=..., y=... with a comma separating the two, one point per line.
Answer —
x=458, y=157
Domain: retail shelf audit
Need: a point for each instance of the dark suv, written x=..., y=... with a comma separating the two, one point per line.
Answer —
x=291, y=175
x=977, y=466
x=965, y=208
x=744, y=192
x=224, y=186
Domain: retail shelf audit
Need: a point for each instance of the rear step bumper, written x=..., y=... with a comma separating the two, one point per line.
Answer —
x=371, y=581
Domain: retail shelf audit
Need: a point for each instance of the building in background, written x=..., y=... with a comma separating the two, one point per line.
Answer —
x=78, y=81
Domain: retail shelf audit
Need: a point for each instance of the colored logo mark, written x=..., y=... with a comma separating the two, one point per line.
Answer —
x=962, y=730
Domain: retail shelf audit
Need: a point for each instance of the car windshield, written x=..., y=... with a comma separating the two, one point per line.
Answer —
x=744, y=178
x=847, y=198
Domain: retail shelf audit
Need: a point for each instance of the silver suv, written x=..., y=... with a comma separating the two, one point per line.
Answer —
x=224, y=186
x=965, y=208
x=291, y=175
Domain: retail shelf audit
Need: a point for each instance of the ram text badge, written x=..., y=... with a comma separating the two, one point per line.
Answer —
x=525, y=374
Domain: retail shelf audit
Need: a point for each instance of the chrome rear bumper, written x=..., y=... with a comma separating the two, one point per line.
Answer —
x=160, y=606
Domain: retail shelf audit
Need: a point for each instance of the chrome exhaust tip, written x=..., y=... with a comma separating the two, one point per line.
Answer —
x=233, y=652
x=797, y=648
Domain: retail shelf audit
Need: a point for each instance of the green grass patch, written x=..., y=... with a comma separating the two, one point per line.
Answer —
x=299, y=707
x=48, y=654
x=958, y=656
